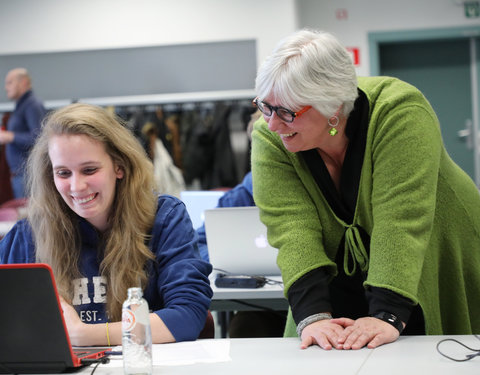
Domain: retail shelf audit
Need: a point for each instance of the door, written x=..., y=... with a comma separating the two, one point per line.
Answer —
x=442, y=69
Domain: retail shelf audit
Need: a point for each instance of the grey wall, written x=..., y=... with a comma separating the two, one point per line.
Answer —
x=138, y=71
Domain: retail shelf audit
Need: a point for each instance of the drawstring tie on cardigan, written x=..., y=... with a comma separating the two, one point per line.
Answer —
x=355, y=251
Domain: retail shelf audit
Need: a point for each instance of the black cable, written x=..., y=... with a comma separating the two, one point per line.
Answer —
x=95, y=367
x=98, y=361
x=468, y=357
x=273, y=282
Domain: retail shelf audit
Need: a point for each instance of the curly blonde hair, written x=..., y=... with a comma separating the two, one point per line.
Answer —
x=55, y=225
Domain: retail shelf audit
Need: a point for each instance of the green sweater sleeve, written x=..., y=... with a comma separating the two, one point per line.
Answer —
x=401, y=174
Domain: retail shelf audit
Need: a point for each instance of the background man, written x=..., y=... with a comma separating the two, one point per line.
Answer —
x=22, y=127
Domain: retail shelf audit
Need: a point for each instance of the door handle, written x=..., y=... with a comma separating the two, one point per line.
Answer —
x=467, y=133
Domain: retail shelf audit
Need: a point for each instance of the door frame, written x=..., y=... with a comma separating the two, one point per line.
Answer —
x=375, y=39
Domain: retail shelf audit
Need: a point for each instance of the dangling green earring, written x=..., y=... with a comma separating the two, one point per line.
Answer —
x=333, y=122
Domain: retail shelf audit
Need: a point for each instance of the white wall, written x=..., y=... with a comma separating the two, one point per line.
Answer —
x=364, y=16
x=28, y=26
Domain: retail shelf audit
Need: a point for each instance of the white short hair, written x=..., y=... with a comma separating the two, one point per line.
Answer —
x=309, y=68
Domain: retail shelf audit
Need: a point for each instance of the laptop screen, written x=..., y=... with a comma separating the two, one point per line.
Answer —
x=237, y=242
x=33, y=336
x=197, y=201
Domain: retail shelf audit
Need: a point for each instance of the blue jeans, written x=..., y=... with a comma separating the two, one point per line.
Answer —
x=18, y=186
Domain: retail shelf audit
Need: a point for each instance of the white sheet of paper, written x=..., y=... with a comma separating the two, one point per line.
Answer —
x=183, y=353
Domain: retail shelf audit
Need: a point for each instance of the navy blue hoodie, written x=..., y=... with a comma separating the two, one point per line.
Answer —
x=178, y=289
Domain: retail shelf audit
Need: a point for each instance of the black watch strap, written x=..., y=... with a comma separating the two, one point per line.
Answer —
x=390, y=319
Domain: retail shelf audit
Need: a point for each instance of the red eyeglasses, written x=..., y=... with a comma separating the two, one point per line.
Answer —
x=284, y=113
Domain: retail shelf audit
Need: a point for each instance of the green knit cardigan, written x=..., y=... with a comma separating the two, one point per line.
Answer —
x=420, y=209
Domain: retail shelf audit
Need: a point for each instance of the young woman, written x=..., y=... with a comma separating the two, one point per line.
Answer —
x=94, y=217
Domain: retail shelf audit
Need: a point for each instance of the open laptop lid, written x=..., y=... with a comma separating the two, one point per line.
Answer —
x=237, y=242
x=197, y=201
x=33, y=334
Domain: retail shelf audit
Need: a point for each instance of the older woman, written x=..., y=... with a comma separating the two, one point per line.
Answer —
x=94, y=216
x=376, y=226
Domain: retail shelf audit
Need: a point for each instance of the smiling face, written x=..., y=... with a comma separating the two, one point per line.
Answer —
x=306, y=132
x=85, y=176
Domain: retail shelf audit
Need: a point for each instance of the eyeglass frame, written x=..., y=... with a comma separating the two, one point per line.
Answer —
x=276, y=108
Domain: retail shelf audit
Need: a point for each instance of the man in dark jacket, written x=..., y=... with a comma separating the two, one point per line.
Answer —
x=22, y=127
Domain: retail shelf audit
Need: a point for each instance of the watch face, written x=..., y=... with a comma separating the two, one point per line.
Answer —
x=391, y=318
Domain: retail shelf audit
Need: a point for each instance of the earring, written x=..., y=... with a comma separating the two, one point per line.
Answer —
x=333, y=122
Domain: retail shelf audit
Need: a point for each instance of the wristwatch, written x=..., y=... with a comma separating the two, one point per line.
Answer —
x=390, y=319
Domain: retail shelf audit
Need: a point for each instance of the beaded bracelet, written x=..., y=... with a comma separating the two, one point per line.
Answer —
x=311, y=319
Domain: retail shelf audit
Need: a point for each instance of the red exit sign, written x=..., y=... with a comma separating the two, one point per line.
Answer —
x=355, y=53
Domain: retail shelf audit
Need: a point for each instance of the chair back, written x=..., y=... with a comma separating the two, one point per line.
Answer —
x=208, y=331
x=15, y=203
x=9, y=214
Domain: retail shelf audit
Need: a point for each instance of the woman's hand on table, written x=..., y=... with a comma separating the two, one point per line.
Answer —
x=368, y=331
x=324, y=333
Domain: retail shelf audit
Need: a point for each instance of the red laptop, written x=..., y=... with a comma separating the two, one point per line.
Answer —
x=33, y=334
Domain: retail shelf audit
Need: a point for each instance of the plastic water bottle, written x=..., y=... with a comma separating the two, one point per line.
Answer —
x=136, y=334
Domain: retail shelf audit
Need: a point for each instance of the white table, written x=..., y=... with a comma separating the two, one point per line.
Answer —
x=410, y=355
x=418, y=355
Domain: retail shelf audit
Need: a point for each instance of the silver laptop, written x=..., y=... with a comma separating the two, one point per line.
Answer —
x=237, y=242
x=197, y=201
